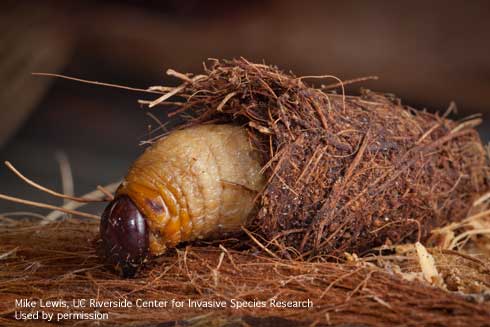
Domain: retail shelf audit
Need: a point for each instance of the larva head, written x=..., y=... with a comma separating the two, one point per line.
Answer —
x=124, y=234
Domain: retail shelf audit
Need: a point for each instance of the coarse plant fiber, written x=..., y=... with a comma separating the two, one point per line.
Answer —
x=344, y=173
x=59, y=261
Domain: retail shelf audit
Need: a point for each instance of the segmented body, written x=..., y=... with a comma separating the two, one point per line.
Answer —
x=194, y=183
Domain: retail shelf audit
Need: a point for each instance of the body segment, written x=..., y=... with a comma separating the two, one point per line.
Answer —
x=195, y=183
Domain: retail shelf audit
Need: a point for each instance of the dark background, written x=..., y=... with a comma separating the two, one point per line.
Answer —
x=429, y=53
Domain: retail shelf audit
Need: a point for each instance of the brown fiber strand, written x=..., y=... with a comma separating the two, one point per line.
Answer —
x=49, y=191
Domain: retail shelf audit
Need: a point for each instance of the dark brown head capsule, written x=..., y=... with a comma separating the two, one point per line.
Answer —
x=124, y=234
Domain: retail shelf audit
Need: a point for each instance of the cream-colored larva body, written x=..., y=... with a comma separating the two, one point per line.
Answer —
x=195, y=183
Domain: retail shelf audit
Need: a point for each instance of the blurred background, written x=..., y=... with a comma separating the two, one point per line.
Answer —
x=429, y=53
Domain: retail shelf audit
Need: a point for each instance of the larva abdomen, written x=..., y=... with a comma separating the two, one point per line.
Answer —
x=195, y=183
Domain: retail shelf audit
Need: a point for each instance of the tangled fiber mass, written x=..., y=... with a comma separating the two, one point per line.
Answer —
x=59, y=261
x=345, y=173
